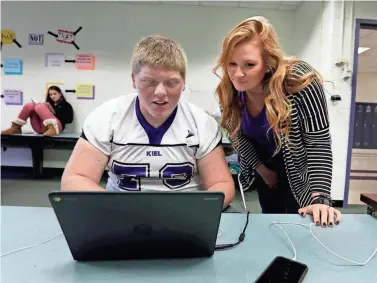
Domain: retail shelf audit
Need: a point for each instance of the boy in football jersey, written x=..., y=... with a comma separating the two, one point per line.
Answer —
x=151, y=140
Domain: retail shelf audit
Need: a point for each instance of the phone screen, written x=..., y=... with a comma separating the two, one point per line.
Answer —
x=283, y=270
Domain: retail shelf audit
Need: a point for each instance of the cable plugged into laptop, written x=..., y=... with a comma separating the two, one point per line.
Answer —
x=241, y=238
x=229, y=246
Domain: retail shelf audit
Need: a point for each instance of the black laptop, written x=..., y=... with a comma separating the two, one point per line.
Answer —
x=138, y=225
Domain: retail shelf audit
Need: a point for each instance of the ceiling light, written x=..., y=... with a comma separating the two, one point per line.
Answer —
x=362, y=49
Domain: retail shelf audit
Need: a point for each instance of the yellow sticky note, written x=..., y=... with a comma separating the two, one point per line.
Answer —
x=85, y=91
x=7, y=36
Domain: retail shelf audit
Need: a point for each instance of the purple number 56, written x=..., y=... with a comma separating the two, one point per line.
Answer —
x=174, y=175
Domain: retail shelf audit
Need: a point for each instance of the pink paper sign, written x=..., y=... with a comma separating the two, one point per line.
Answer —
x=85, y=61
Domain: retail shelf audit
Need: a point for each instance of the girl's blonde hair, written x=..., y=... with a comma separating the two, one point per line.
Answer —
x=280, y=80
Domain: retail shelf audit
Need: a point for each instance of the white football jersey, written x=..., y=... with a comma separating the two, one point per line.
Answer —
x=144, y=158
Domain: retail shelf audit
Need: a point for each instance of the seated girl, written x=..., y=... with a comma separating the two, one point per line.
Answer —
x=48, y=118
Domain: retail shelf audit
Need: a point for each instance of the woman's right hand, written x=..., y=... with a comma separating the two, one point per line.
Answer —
x=269, y=176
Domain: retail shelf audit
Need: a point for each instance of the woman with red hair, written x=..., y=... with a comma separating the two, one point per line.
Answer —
x=274, y=109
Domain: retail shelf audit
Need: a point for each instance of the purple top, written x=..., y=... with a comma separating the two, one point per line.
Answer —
x=256, y=128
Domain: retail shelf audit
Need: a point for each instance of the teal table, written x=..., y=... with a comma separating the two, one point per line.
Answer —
x=355, y=238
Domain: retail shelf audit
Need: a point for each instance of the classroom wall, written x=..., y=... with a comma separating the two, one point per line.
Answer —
x=323, y=37
x=110, y=30
x=307, y=32
x=317, y=39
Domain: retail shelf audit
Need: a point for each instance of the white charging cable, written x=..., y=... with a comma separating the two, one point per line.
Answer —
x=219, y=234
x=309, y=226
x=278, y=224
x=242, y=193
x=29, y=247
x=289, y=239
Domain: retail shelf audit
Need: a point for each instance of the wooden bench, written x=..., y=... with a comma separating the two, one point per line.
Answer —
x=371, y=201
x=37, y=143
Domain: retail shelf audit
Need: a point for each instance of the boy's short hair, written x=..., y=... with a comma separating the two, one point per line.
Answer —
x=159, y=51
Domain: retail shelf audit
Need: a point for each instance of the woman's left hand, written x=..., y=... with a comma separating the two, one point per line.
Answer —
x=323, y=215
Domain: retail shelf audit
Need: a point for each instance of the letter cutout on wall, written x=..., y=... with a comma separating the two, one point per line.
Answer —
x=66, y=36
x=8, y=36
x=36, y=39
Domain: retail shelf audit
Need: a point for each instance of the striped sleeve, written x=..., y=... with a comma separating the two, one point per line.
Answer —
x=248, y=153
x=248, y=160
x=314, y=123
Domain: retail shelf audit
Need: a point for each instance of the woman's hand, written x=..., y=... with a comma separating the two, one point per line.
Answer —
x=269, y=176
x=323, y=215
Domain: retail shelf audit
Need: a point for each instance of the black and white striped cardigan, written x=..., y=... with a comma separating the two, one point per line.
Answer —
x=308, y=155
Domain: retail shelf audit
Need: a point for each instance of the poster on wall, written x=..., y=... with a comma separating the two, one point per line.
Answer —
x=54, y=60
x=8, y=37
x=13, y=97
x=85, y=91
x=12, y=66
x=58, y=84
x=85, y=61
x=36, y=38
x=66, y=36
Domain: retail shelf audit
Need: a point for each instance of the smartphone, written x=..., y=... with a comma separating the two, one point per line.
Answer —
x=283, y=270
